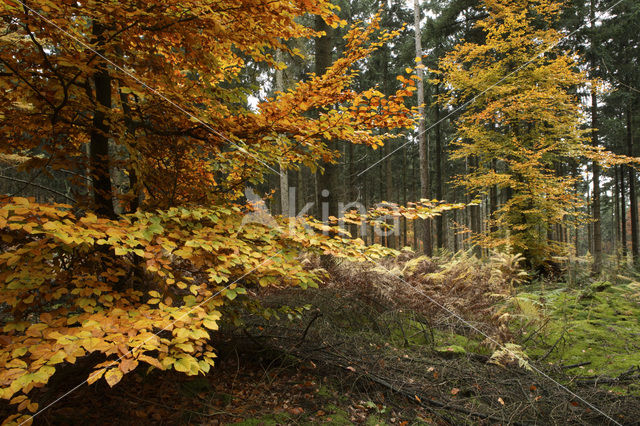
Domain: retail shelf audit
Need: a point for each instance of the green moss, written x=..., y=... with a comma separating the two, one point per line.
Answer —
x=375, y=420
x=451, y=350
x=268, y=420
x=337, y=416
x=600, y=325
x=444, y=339
x=323, y=391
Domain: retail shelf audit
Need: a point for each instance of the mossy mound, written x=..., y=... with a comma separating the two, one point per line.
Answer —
x=599, y=325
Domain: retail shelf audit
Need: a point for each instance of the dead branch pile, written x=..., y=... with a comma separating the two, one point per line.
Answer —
x=374, y=333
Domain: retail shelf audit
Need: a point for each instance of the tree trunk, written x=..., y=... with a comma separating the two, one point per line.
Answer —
x=424, y=160
x=589, y=226
x=597, y=228
x=99, y=143
x=493, y=201
x=284, y=175
x=440, y=220
x=327, y=204
x=623, y=214
x=633, y=207
x=403, y=194
x=475, y=211
x=595, y=206
x=616, y=214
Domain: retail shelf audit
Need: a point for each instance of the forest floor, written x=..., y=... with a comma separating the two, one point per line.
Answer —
x=367, y=350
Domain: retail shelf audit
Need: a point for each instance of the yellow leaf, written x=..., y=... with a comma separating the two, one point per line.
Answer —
x=95, y=375
x=113, y=376
x=127, y=365
x=184, y=364
x=151, y=361
x=211, y=325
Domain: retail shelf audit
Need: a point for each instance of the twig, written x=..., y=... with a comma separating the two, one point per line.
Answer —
x=552, y=347
x=317, y=315
x=580, y=364
x=29, y=183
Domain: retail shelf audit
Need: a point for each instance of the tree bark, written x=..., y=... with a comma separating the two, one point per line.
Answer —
x=616, y=213
x=99, y=142
x=440, y=220
x=597, y=226
x=424, y=154
x=623, y=214
x=633, y=207
x=325, y=196
x=595, y=207
x=284, y=176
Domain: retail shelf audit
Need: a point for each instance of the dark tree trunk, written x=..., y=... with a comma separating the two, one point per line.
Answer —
x=633, y=207
x=493, y=202
x=404, y=194
x=99, y=143
x=475, y=211
x=616, y=213
x=440, y=220
x=422, y=137
x=595, y=207
x=623, y=213
x=597, y=224
x=326, y=199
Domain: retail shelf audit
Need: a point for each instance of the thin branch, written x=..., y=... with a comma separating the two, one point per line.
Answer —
x=28, y=183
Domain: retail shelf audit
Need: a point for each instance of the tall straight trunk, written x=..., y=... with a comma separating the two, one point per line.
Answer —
x=623, y=213
x=284, y=176
x=372, y=198
x=381, y=180
x=99, y=142
x=440, y=220
x=392, y=233
x=493, y=201
x=455, y=236
x=424, y=153
x=589, y=226
x=597, y=228
x=595, y=201
x=576, y=229
x=404, y=194
x=324, y=180
x=616, y=213
x=415, y=195
x=475, y=211
x=633, y=207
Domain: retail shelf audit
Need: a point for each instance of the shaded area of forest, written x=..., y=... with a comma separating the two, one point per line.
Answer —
x=415, y=341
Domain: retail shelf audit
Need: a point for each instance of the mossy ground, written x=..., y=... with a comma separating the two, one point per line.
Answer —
x=598, y=324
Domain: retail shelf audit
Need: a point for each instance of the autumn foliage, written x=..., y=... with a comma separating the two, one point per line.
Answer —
x=522, y=120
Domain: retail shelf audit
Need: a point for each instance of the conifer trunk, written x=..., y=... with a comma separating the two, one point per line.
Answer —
x=633, y=207
x=623, y=213
x=424, y=160
x=597, y=225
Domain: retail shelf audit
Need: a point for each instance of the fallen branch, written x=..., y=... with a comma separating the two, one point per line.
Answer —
x=580, y=364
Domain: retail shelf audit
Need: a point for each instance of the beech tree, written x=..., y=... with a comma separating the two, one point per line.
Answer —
x=146, y=89
x=522, y=118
